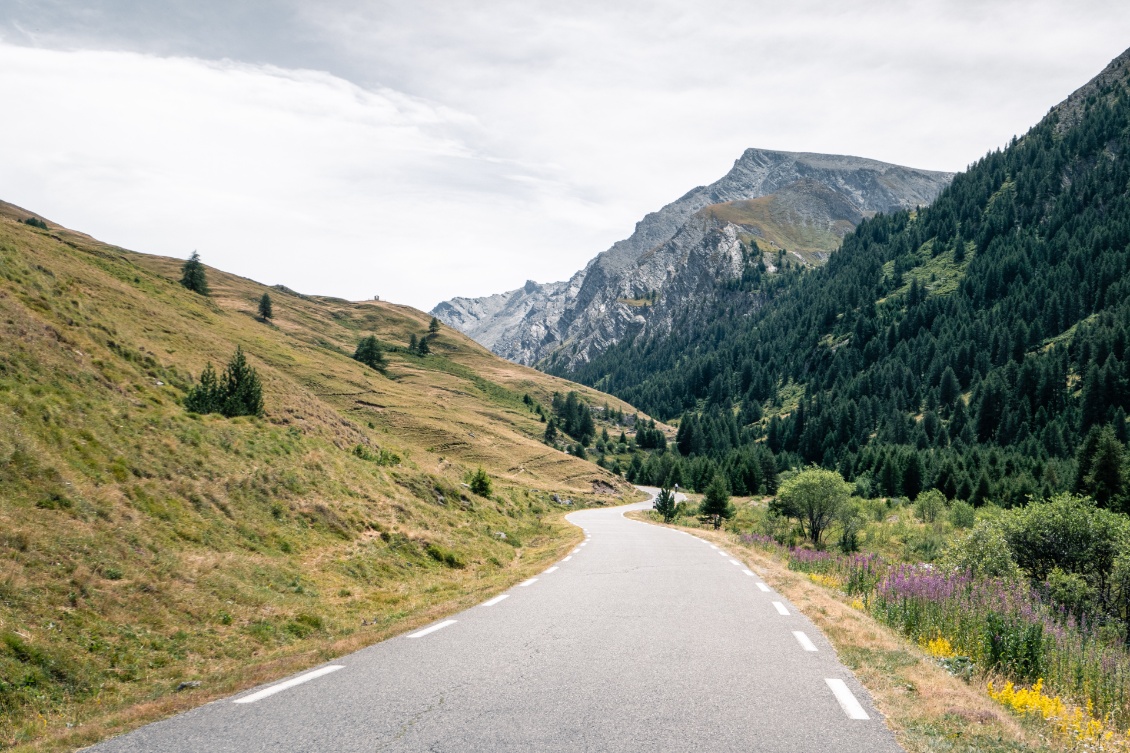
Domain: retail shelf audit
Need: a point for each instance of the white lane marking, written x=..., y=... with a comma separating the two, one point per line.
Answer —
x=567, y=558
x=584, y=544
x=780, y=608
x=847, y=701
x=575, y=551
x=432, y=629
x=713, y=547
x=735, y=562
x=748, y=572
x=529, y=582
x=763, y=587
x=495, y=600
x=289, y=684
x=804, y=641
x=724, y=554
x=550, y=570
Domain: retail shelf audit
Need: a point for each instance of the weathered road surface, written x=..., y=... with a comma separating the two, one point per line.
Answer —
x=642, y=639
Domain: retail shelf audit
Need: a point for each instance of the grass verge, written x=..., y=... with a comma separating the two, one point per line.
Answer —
x=928, y=709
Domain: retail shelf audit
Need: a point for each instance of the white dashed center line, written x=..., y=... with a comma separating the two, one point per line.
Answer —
x=804, y=641
x=748, y=572
x=529, y=582
x=780, y=608
x=847, y=701
x=288, y=684
x=763, y=587
x=495, y=600
x=432, y=629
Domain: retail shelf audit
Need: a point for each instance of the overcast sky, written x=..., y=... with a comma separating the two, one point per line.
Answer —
x=422, y=149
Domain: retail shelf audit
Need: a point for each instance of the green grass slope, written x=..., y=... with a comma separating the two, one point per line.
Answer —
x=142, y=547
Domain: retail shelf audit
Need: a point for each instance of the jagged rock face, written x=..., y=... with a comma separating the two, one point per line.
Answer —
x=801, y=202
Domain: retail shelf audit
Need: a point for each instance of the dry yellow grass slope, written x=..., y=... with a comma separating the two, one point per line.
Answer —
x=142, y=546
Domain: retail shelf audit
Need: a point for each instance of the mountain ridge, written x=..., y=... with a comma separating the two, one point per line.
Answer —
x=579, y=317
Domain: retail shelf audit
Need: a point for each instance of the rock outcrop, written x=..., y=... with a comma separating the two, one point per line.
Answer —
x=799, y=203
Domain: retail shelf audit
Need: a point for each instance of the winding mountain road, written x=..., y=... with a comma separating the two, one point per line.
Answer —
x=642, y=639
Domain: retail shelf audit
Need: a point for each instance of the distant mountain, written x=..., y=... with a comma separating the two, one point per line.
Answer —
x=784, y=201
x=980, y=346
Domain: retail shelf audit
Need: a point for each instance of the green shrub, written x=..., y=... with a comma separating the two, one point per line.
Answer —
x=929, y=505
x=480, y=483
x=962, y=515
x=445, y=556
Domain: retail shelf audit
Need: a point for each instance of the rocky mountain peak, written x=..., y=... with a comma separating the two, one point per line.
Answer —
x=796, y=201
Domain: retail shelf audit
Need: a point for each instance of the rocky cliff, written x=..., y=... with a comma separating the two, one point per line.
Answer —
x=799, y=203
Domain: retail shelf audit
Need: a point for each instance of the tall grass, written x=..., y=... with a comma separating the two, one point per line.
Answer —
x=1005, y=627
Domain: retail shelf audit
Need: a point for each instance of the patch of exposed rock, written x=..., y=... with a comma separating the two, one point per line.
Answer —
x=681, y=253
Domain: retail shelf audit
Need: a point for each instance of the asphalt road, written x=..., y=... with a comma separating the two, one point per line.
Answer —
x=642, y=639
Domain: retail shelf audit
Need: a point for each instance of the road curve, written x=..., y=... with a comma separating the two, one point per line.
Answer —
x=642, y=639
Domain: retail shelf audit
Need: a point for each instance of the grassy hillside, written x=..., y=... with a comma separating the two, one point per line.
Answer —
x=142, y=547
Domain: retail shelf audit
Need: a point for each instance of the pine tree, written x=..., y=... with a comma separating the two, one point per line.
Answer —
x=1104, y=480
x=433, y=326
x=551, y=430
x=369, y=352
x=265, y=310
x=422, y=346
x=665, y=504
x=412, y=342
x=480, y=483
x=237, y=393
x=193, y=275
x=205, y=397
x=716, y=501
x=241, y=388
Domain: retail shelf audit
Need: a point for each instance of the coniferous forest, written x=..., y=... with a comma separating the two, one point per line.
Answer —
x=977, y=346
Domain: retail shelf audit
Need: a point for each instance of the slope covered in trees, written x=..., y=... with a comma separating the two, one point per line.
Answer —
x=978, y=345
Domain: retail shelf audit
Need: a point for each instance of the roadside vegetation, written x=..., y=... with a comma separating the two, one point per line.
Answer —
x=1030, y=605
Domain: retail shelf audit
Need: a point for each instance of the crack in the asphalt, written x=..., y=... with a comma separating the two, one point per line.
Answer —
x=408, y=725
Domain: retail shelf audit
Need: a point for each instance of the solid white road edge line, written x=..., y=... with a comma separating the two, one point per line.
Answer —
x=847, y=701
x=433, y=628
x=780, y=608
x=529, y=582
x=289, y=684
x=495, y=600
x=567, y=558
x=550, y=570
x=763, y=587
x=804, y=641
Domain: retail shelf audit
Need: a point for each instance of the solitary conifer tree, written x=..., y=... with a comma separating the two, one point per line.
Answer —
x=237, y=393
x=265, y=311
x=369, y=353
x=193, y=276
x=433, y=327
x=422, y=346
x=241, y=388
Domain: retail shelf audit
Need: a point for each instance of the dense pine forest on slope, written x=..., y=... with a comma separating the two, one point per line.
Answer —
x=978, y=346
